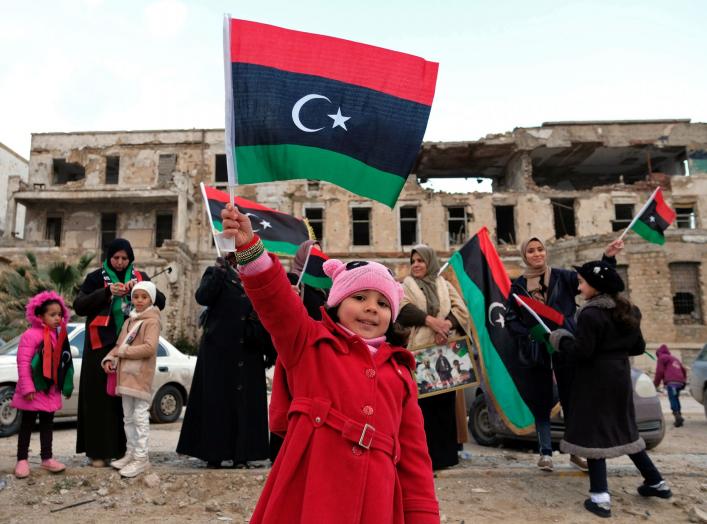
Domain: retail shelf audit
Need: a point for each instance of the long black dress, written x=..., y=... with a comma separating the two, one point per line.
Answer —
x=100, y=432
x=226, y=417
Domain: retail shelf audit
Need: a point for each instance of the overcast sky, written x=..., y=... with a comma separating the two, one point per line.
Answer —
x=80, y=65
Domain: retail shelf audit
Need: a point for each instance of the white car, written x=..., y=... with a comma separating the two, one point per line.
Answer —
x=171, y=384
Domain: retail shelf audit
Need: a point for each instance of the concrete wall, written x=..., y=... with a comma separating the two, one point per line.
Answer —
x=11, y=164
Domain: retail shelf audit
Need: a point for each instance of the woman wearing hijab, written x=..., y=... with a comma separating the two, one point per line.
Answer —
x=104, y=299
x=434, y=312
x=226, y=417
x=556, y=288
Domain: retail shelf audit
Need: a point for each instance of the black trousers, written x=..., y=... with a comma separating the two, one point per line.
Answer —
x=46, y=424
x=597, y=472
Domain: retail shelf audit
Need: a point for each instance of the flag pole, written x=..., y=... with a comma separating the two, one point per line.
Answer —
x=304, y=267
x=211, y=220
x=645, y=206
x=535, y=315
x=229, y=143
x=441, y=270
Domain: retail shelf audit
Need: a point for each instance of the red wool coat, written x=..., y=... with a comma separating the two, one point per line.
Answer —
x=322, y=474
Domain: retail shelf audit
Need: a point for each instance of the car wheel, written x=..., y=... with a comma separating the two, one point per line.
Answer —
x=167, y=405
x=10, y=418
x=480, y=423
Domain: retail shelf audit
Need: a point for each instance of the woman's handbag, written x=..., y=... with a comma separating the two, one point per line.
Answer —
x=111, y=384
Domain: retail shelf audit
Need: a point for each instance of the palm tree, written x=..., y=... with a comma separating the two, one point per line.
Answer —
x=19, y=283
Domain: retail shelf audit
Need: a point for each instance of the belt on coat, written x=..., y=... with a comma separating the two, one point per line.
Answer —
x=364, y=435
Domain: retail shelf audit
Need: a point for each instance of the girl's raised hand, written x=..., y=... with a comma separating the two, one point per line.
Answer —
x=236, y=225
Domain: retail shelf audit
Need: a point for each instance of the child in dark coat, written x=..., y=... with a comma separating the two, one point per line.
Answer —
x=354, y=450
x=608, y=332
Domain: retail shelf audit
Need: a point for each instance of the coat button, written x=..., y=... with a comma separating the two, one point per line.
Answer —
x=367, y=410
x=356, y=450
x=241, y=341
x=370, y=373
x=240, y=363
x=242, y=318
x=239, y=387
x=318, y=420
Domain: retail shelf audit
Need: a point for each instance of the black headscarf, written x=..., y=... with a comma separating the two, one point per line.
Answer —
x=119, y=244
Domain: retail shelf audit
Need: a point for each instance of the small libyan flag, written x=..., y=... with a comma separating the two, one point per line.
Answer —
x=281, y=233
x=542, y=319
x=313, y=274
x=653, y=219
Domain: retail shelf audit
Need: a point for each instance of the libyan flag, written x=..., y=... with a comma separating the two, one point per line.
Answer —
x=313, y=274
x=654, y=219
x=281, y=233
x=550, y=317
x=485, y=288
x=307, y=106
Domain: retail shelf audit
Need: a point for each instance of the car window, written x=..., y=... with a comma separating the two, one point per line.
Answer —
x=703, y=354
x=10, y=348
x=161, y=350
x=78, y=341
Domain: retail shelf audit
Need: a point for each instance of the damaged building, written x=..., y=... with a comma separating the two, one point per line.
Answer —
x=576, y=184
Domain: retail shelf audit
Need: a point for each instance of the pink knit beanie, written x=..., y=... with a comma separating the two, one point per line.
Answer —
x=359, y=275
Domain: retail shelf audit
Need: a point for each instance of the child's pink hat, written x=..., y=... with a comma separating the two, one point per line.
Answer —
x=359, y=275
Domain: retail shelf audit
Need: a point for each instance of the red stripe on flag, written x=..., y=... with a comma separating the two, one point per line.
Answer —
x=498, y=270
x=221, y=196
x=315, y=252
x=398, y=74
x=662, y=208
x=544, y=310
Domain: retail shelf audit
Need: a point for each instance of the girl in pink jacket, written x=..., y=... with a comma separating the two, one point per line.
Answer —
x=47, y=316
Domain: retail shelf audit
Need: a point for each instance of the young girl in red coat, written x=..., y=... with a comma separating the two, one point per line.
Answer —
x=355, y=449
x=46, y=314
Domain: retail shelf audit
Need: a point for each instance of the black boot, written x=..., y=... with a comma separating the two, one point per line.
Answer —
x=602, y=510
x=679, y=420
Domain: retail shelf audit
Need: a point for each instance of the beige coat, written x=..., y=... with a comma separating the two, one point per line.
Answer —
x=137, y=359
x=449, y=301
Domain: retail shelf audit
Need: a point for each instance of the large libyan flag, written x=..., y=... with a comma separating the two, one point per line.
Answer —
x=307, y=106
x=485, y=288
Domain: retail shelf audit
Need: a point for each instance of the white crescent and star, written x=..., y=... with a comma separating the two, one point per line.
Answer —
x=338, y=118
x=254, y=220
x=500, y=319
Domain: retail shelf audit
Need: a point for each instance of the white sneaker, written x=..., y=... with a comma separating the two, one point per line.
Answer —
x=122, y=462
x=136, y=467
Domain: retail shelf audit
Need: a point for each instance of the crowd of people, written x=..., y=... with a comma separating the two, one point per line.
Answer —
x=346, y=432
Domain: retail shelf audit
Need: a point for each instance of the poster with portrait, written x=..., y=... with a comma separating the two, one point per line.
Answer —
x=445, y=367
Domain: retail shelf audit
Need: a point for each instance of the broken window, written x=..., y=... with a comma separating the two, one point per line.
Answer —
x=505, y=225
x=64, y=171
x=166, y=166
x=408, y=225
x=112, y=167
x=163, y=228
x=220, y=169
x=685, y=287
x=315, y=218
x=563, y=215
x=109, y=230
x=686, y=218
x=456, y=225
x=53, y=230
x=623, y=214
x=361, y=226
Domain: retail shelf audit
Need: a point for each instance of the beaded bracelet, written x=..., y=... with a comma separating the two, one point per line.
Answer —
x=250, y=251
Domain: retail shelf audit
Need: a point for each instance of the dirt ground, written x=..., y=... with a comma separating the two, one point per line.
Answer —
x=495, y=485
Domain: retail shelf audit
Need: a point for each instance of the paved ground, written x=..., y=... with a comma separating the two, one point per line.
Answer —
x=494, y=485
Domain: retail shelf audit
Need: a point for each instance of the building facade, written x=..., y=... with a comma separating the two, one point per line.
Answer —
x=11, y=165
x=574, y=184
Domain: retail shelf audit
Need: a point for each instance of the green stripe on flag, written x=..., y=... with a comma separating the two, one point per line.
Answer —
x=538, y=333
x=318, y=282
x=504, y=389
x=261, y=163
x=651, y=235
